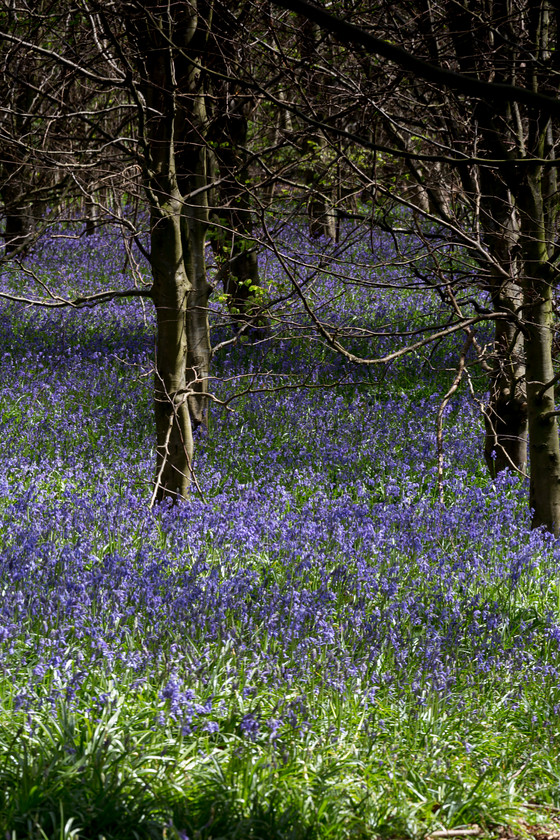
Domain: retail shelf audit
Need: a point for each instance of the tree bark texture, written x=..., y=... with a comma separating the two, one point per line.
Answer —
x=544, y=448
x=171, y=289
x=156, y=31
x=194, y=225
x=506, y=424
x=192, y=161
x=543, y=428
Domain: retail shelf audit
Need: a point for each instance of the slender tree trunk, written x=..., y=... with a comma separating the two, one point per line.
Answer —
x=18, y=229
x=152, y=31
x=194, y=228
x=171, y=289
x=322, y=216
x=505, y=444
x=238, y=263
x=92, y=218
x=320, y=206
x=233, y=237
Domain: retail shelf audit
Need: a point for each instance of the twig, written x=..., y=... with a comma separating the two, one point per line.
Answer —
x=79, y=302
x=547, y=386
x=439, y=425
x=174, y=418
x=163, y=460
x=534, y=806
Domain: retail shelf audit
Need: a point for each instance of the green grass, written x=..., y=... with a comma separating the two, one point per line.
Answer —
x=115, y=777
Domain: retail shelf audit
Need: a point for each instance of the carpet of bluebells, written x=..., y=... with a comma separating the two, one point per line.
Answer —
x=313, y=645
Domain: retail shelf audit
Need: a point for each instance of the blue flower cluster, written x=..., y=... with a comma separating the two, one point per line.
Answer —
x=318, y=560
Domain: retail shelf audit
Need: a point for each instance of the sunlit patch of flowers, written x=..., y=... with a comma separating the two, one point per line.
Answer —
x=318, y=556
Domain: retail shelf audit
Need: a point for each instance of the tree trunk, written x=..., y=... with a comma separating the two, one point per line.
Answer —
x=544, y=448
x=194, y=227
x=150, y=30
x=232, y=240
x=238, y=263
x=19, y=228
x=320, y=207
x=505, y=445
x=171, y=289
x=537, y=215
x=322, y=215
x=92, y=218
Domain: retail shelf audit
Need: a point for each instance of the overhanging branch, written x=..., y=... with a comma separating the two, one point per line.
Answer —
x=349, y=33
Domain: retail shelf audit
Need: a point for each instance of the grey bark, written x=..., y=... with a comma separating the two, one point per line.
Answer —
x=193, y=176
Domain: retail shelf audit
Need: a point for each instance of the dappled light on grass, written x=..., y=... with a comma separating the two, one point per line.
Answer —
x=317, y=648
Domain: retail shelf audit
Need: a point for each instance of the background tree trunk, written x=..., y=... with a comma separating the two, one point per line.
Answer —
x=19, y=222
x=506, y=427
x=232, y=239
x=506, y=424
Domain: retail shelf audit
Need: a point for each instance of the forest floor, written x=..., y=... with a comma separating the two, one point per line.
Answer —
x=313, y=646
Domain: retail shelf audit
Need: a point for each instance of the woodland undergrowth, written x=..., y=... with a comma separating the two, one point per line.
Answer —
x=313, y=646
